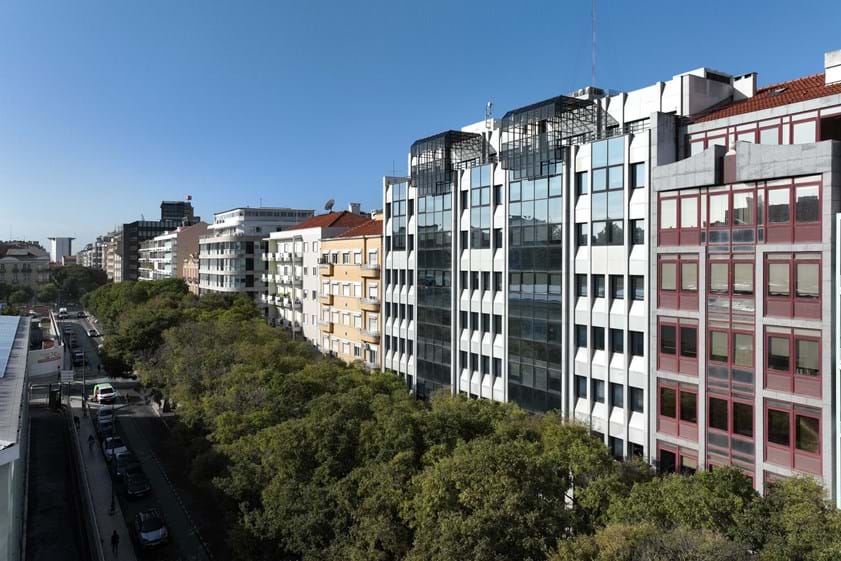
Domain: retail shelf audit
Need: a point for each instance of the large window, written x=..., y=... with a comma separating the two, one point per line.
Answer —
x=480, y=206
x=607, y=201
x=794, y=437
x=678, y=409
x=637, y=230
x=678, y=282
x=793, y=360
x=793, y=285
x=637, y=287
x=678, y=345
x=794, y=213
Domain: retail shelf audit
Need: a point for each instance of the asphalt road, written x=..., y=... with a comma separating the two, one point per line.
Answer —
x=184, y=543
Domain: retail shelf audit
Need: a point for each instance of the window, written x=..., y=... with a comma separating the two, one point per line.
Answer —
x=743, y=208
x=637, y=229
x=689, y=276
x=688, y=407
x=743, y=278
x=718, y=346
x=581, y=336
x=779, y=210
x=498, y=282
x=778, y=427
x=807, y=357
x=637, y=400
x=581, y=236
x=668, y=275
x=668, y=402
x=719, y=210
x=637, y=343
x=806, y=204
x=580, y=387
x=617, y=395
x=718, y=417
x=778, y=279
x=807, y=437
x=743, y=419
x=637, y=175
x=617, y=340
x=617, y=287
x=806, y=280
x=637, y=287
x=598, y=338
x=668, y=339
x=718, y=278
x=778, y=353
x=598, y=391
x=688, y=212
x=581, y=285
x=598, y=286
x=581, y=183
x=743, y=350
x=689, y=342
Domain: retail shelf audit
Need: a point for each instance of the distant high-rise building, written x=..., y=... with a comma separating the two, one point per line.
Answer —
x=179, y=210
x=59, y=248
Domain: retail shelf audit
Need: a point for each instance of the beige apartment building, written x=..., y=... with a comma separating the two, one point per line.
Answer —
x=190, y=270
x=351, y=294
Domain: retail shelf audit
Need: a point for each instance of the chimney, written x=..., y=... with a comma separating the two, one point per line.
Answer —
x=354, y=208
x=832, y=67
x=744, y=86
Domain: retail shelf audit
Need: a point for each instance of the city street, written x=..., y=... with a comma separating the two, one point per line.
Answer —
x=184, y=541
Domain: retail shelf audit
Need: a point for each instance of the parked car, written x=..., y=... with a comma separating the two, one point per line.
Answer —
x=137, y=484
x=105, y=414
x=93, y=333
x=80, y=315
x=122, y=462
x=67, y=330
x=78, y=357
x=149, y=528
x=104, y=393
x=112, y=446
x=105, y=429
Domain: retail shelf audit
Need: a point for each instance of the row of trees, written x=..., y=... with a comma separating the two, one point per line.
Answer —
x=313, y=459
x=67, y=284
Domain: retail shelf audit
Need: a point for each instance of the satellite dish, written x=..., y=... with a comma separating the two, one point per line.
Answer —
x=328, y=206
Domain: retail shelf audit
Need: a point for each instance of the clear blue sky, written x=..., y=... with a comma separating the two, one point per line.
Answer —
x=108, y=107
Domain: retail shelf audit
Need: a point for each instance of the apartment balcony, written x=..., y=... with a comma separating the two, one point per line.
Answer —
x=371, y=365
x=370, y=304
x=265, y=277
x=369, y=336
x=266, y=256
x=326, y=268
x=297, y=304
x=326, y=326
x=370, y=270
x=284, y=256
x=327, y=299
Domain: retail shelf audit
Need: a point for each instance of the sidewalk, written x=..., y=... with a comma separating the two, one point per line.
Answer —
x=99, y=480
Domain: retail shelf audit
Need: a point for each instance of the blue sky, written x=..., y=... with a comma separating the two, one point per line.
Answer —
x=106, y=108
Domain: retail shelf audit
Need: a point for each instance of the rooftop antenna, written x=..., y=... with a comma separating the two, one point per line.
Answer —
x=489, y=111
x=328, y=206
x=593, y=65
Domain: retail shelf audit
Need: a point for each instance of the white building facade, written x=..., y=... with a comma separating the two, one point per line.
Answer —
x=231, y=254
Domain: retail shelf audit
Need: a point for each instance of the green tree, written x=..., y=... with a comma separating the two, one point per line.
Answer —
x=47, y=294
x=21, y=295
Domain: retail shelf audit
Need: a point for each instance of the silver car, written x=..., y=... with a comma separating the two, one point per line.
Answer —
x=113, y=445
x=149, y=528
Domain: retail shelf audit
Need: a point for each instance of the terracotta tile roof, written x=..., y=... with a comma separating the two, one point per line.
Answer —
x=370, y=228
x=775, y=95
x=340, y=219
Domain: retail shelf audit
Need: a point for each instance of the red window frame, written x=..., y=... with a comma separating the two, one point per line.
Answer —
x=690, y=235
x=790, y=381
x=793, y=231
x=677, y=426
x=680, y=453
x=677, y=299
x=668, y=236
x=792, y=306
x=790, y=456
x=677, y=363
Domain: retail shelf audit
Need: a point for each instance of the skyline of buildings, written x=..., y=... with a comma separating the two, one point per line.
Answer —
x=607, y=254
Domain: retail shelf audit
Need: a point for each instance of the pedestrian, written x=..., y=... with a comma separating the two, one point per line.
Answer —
x=115, y=542
x=76, y=421
x=90, y=443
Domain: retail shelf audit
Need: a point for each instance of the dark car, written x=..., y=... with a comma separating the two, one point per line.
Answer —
x=136, y=483
x=80, y=315
x=122, y=462
x=78, y=357
x=105, y=430
x=93, y=333
x=149, y=528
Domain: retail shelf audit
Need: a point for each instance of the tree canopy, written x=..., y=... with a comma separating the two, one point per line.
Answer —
x=313, y=459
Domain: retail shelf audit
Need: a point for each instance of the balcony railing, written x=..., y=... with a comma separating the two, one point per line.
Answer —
x=370, y=304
